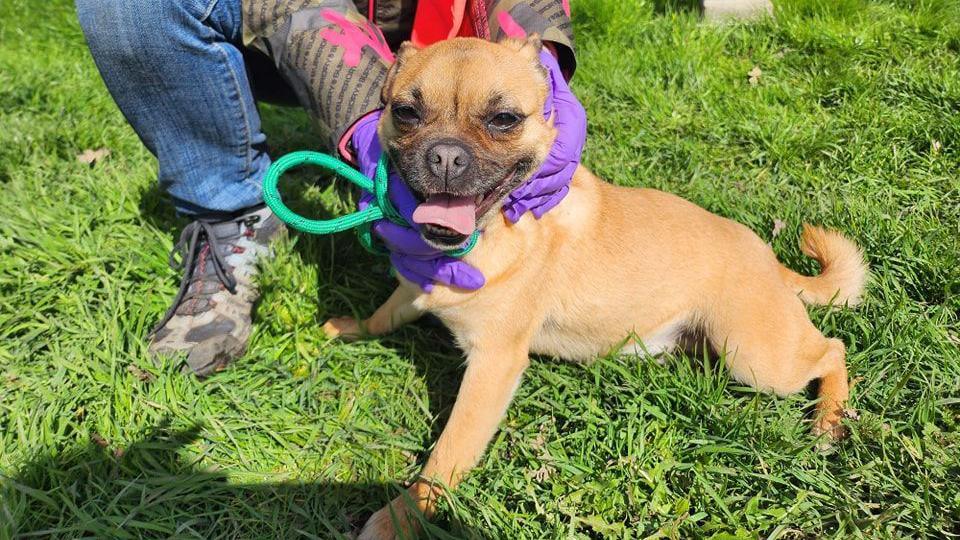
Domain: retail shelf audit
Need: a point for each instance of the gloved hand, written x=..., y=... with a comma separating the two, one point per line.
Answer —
x=550, y=184
x=413, y=258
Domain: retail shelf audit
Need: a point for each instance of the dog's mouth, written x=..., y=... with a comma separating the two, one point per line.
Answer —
x=448, y=220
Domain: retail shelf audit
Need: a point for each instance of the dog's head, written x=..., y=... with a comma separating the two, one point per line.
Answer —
x=463, y=124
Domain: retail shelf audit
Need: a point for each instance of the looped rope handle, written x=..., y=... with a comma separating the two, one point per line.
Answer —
x=361, y=220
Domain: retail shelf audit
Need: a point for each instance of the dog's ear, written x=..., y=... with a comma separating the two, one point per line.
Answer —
x=529, y=46
x=405, y=52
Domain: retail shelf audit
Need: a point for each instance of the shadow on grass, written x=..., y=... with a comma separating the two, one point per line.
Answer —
x=437, y=361
x=153, y=488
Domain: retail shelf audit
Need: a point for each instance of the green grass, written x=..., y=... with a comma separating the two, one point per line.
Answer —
x=854, y=123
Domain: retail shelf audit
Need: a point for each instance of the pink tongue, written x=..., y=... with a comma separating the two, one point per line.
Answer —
x=457, y=213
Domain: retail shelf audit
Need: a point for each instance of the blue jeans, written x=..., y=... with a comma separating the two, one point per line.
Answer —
x=176, y=70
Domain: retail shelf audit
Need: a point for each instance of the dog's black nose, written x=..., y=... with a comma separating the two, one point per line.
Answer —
x=448, y=159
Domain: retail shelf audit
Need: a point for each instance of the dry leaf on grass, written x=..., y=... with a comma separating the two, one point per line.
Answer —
x=541, y=440
x=754, y=75
x=103, y=443
x=90, y=157
x=144, y=376
x=543, y=473
x=99, y=440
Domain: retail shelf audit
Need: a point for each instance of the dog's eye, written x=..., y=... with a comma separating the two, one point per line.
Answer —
x=503, y=121
x=405, y=114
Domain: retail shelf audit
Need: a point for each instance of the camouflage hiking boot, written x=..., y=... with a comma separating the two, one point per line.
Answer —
x=209, y=321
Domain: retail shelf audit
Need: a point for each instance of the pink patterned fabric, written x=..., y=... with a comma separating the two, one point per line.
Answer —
x=353, y=37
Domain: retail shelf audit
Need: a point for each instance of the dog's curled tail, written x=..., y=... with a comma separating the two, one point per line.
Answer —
x=843, y=272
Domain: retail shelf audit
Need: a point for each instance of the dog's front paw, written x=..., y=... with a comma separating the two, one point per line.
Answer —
x=388, y=523
x=345, y=328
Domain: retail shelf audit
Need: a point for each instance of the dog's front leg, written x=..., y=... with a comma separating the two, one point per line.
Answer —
x=397, y=311
x=492, y=376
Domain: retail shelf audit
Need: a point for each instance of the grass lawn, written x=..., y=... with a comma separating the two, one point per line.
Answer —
x=853, y=122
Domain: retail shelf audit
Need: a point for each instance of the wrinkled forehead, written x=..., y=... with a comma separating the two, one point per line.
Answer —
x=471, y=79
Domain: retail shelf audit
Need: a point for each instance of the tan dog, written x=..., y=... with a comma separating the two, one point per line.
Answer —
x=463, y=123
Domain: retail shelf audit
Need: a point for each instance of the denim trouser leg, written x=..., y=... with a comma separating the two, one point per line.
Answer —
x=175, y=69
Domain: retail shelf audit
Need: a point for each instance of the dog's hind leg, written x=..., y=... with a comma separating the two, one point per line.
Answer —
x=397, y=311
x=771, y=344
x=834, y=389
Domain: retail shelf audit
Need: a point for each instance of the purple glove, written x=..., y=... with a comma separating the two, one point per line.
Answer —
x=549, y=185
x=409, y=254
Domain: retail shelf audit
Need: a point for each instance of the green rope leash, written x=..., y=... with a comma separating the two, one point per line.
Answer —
x=379, y=208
